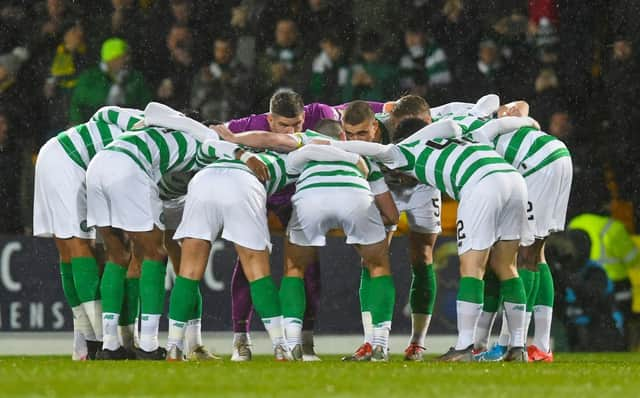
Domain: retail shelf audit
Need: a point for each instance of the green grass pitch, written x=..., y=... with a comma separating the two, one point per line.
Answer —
x=571, y=376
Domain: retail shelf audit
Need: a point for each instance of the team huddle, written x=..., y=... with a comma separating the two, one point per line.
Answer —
x=147, y=184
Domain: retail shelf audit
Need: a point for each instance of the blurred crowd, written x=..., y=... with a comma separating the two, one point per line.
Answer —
x=575, y=62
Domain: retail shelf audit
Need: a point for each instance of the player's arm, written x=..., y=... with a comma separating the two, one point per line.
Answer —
x=504, y=125
x=322, y=153
x=389, y=154
x=157, y=114
x=124, y=118
x=260, y=139
x=439, y=129
x=382, y=196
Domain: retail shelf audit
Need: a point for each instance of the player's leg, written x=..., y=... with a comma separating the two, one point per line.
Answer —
x=543, y=313
x=489, y=311
x=129, y=317
x=112, y=289
x=152, y=293
x=313, y=288
x=293, y=293
x=241, y=308
x=422, y=295
x=184, y=298
x=382, y=295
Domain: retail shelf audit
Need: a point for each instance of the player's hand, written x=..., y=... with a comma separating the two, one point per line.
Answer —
x=362, y=166
x=223, y=132
x=258, y=168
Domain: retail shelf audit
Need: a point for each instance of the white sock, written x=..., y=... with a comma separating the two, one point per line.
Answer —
x=527, y=323
x=193, y=334
x=505, y=336
x=367, y=326
x=82, y=324
x=241, y=337
x=543, y=316
x=381, y=334
x=483, y=330
x=110, y=339
x=515, y=313
x=467, y=314
x=419, y=326
x=149, y=332
x=93, y=309
x=136, y=332
x=292, y=331
x=275, y=329
x=127, y=339
x=307, y=337
x=80, y=350
x=176, y=336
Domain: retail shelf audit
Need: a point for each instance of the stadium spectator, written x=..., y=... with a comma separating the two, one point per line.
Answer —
x=317, y=15
x=110, y=83
x=9, y=177
x=455, y=28
x=50, y=21
x=547, y=97
x=12, y=20
x=329, y=71
x=485, y=76
x=70, y=59
x=11, y=98
x=243, y=28
x=586, y=297
x=423, y=68
x=222, y=89
x=622, y=93
x=283, y=63
x=174, y=88
x=371, y=77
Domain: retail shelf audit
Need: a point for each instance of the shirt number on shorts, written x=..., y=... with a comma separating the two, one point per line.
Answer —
x=461, y=234
x=436, y=204
x=529, y=211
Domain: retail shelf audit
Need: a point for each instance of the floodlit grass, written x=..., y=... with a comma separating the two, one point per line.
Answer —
x=571, y=376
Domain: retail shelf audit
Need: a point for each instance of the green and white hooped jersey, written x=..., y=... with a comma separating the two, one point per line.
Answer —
x=451, y=164
x=274, y=161
x=83, y=141
x=174, y=185
x=529, y=149
x=469, y=123
x=159, y=151
x=340, y=175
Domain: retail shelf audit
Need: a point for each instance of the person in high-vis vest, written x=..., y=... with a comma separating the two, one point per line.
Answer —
x=613, y=247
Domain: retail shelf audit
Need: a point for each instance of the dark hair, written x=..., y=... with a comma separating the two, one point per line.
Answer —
x=286, y=103
x=370, y=42
x=357, y=112
x=330, y=127
x=332, y=38
x=410, y=105
x=407, y=127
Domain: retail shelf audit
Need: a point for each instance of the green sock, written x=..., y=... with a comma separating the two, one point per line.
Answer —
x=131, y=303
x=546, y=291
x=471, y=290
x=264, y=295
x=365, y=280
x=491, y=292
x=528, y=281
x=512, y=291
x=183, y=299
x=112, y=287
x=68, y=287
x=197, y=313
x=86, y=278
x=292, y=297
x=152, y=287
x=382, y=298
x=422, y=295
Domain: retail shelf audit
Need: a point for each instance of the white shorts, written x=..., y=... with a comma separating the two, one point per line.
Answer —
x=316, y=211
x=421, y=204
x=549, y=190
x=60, y=195
x=229, y=200
x=172, y=210
x=121, y=195
x=493, y=209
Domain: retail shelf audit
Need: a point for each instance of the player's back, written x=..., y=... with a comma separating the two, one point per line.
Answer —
x=451, y=164
x=83, y=141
